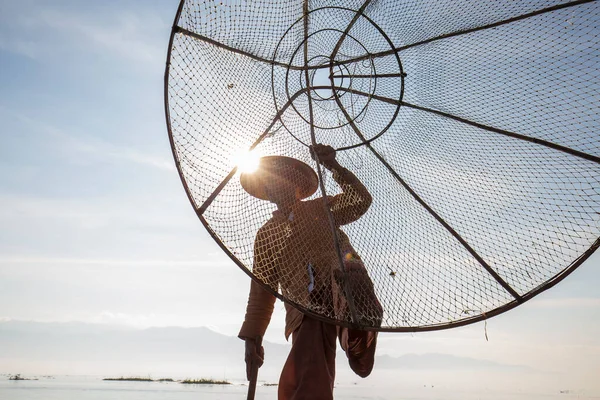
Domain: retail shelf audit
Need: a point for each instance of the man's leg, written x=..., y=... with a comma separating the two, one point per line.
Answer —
x=360, y=349
x=309, y=372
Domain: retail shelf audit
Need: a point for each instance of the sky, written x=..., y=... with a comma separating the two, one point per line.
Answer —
x=95, y=225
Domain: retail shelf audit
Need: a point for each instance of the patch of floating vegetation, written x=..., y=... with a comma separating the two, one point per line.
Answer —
x=204, y=381
x=130, y=379
x=18, y=377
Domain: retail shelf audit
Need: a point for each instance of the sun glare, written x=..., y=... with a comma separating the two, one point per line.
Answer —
x=247, y=161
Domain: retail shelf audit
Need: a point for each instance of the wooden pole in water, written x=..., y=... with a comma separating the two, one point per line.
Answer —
x=254, y=372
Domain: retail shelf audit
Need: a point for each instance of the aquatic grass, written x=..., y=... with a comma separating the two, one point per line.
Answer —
x=201, y=381
x=130, y=379
x=18, y=377
x=204, y=381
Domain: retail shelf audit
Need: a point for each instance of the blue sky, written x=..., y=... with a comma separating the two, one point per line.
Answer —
x=95, y=224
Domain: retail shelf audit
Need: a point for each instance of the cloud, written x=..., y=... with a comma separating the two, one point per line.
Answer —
x=141, y=263
x=125, y=35
x=101, y=230
x=108, y=317
x=83, y=213
x=49, y=33
x=79, y=146
x=572, y=302
x=24, y=47
x=134, y=157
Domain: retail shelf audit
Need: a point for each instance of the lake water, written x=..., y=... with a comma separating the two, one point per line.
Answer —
x=94, y=388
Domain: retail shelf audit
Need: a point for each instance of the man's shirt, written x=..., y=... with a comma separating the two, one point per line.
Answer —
x=296, y=253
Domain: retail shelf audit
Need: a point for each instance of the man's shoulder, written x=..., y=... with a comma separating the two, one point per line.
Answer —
x=315, y=204
x=270, y=226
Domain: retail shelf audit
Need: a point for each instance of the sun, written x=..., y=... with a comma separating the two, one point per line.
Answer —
x=246, y=161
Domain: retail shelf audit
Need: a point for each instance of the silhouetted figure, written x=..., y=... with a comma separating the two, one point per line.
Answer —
x=295, y=251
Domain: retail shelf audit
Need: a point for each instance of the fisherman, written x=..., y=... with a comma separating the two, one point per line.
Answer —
x=296, y=251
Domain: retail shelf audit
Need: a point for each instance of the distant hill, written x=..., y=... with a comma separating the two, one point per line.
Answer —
x=79, y=348
x=443, y=362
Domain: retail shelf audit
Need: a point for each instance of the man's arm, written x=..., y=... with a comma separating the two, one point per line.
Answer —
x=260, y=302
x=355, y=199
x=258, y=315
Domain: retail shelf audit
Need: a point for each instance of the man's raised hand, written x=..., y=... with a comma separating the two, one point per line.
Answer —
x=324, y=154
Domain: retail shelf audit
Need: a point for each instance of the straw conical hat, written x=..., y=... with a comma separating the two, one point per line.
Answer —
x=270, y=172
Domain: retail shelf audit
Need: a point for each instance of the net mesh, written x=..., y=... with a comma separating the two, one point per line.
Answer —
x=467, y=142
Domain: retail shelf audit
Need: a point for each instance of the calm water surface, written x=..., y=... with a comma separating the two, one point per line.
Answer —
x=93, y=388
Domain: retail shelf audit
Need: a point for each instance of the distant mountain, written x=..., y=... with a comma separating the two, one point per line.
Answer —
x=443, y=362
x=79, y=348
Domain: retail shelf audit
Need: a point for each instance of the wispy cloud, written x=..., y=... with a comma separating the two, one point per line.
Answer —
x=115, y=319
x=571, y=302
x=123, y=34
x=26, y=48
x=133, y=156
x=126, y=35
x=81, y=146
x=15, y=260
x=78, y=218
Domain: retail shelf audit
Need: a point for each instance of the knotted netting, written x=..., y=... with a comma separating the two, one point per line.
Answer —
x=468, y=133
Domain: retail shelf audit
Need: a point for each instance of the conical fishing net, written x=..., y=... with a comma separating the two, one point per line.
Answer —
x=468, y=133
